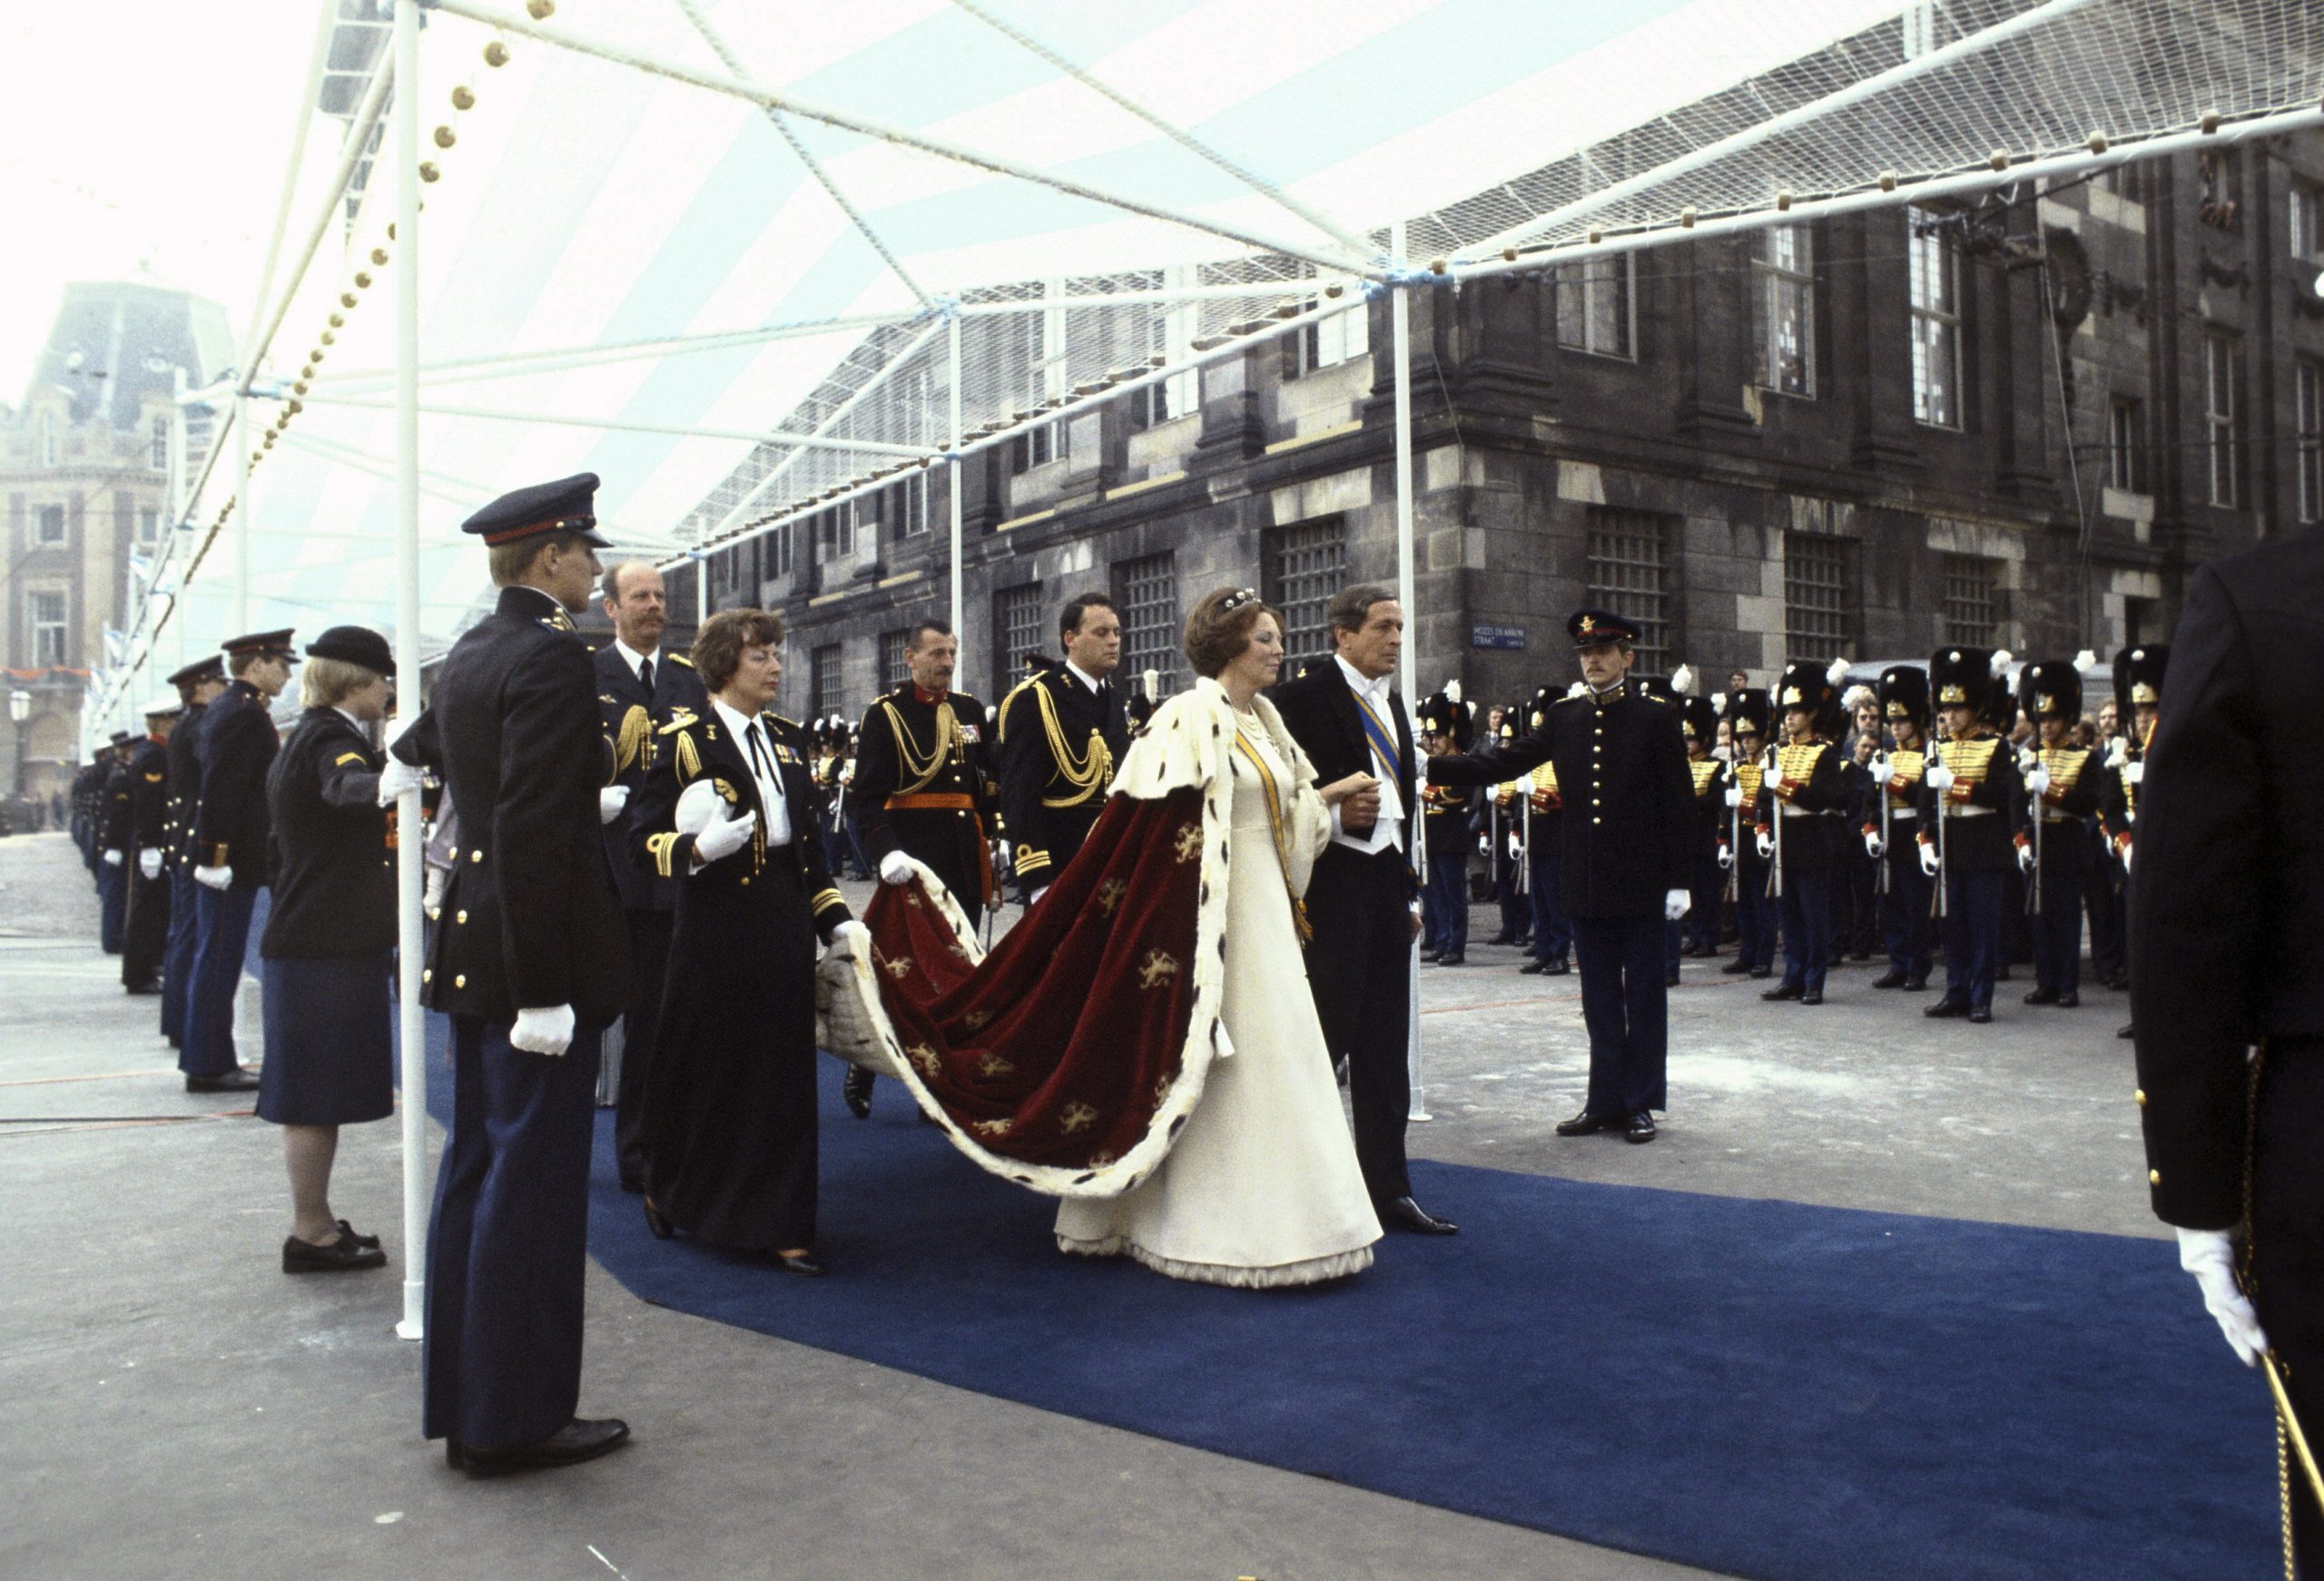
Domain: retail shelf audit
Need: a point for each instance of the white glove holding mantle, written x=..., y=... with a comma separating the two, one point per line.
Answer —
x=895, y=867
x=548, y=1031
x=1939, y=778
x=149, y=862
x=397, y=778
x=2025, y=858
x=2210, y=1256
x=1674, y=904
x=610, y=802
x=223, y=878
x=723, y=837
x=1773, y=778
x=851, y=940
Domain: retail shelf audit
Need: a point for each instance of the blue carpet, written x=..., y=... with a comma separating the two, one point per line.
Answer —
x=1755, y=1387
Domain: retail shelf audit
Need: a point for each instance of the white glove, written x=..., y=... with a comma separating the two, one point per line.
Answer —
x=2134, y=772
x=1767, y=848
x=1674, y=904
x=2025, y=858
x=1773, y=778
x=149, y=862
x=223, y=878
x=1516, y=849
x=1485, y=845
x=1939, y=778
x=548, y=1031
x=431, y=893
x=610, y=802
x=2037, y=780
x=2126, y=859
x=1726, y=859
x=723, y=837
x=397, y=778
x=699, y=805
x=113, y=859
x=1878, y=767
x=392, y=732
x=2210, y=1256
x=1873, y=846
x=851, y=940
x=1928, y=860
x=1034, y=898
x=895, y=867
x=1735, y=795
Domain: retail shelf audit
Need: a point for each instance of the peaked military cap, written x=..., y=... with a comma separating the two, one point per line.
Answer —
x=211, y=668
x=2051, y=689
x=568, y=506
x=1591, y=628
x=120, y=738
x=163, y=708
x=277, y=642
x=1904, y=694
x=2138, y=676
x=355, y=645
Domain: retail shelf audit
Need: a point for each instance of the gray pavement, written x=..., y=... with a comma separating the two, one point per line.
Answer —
x=178, y=1406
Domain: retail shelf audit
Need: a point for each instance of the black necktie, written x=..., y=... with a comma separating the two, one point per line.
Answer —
x=645, y=676
x=761, y=763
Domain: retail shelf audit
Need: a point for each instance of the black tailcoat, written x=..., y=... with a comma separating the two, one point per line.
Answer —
x=950, y=840
x=1047, y=722
x=632, y=719
x=334, y=877
x=236, y=748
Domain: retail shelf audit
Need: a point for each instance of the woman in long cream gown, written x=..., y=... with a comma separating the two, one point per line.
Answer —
x=1260, y=1187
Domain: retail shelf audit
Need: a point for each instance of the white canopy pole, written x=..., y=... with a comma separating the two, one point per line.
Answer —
x=953, y=467
x=1399, y=321
x=618, y=425
x=240, y=622
x=411, y=841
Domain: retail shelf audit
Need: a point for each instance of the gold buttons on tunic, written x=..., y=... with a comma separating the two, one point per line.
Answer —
x=475, y=855
x=2155, y=1177
x=2138, y=1096
x=463, y=917
x=461, y=981
x=1597, y=821
x=427, y=974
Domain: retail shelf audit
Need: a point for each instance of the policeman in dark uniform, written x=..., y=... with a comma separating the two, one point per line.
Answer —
x=1806, y=794
x=1449, y=819
x=233, y=851
x=112, y=844
x=2227, y=951
x=1972, y=815
x=198, y=684
x=1061, y=732
x=641, y=687
x=923, y=790
x=2138, y=704
x=1890, y=827
x=147, y=935
x=530, y=960
x=1750, y=720
x=1628, y=808
x=2060, y=794
x=88, y=789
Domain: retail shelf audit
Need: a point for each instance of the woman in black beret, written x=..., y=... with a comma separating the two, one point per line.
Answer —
x=329, y=940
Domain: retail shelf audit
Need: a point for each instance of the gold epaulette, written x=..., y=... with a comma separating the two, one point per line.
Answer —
x=678, y=721
x=681, y=659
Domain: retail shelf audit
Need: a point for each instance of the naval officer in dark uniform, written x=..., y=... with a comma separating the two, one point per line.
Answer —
x=233, y=852
x=641, y=687
x=2227, y=951
x=1060, y=734
x=146, y=935
x=112, y=845
x=1628, y=862
x=198, y=684
x=530, y=960
x=923, y=790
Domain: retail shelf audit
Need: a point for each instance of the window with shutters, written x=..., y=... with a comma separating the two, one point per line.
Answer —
x=895, y=668
x=1017, y=632
x=1817, y=580
x=1301, y=566
x=1630, y=573
x=822, y=669
x=1972, y=600
x=1146, y=591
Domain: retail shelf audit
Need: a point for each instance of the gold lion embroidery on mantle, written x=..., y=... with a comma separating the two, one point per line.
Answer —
x=1189, y=842
x=1156, y=970
x=975, y=1019
x=900, y=967
x=924, y=1060
x=1077, y=1117
x=991, y=1065
x=1000, y=1128
x=1110, y=893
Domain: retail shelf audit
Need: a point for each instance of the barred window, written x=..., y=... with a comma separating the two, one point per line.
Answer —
x=2222, y=376
x=1301, y=567
x=822, y=669
x=1972, y=600
x=1784, y=286
x=1593, y=301
x=1017, y=632
x=1935, y=325
x=1816, y=596
x=1148, y=592
x=894, y=668
x=2308, y=437
x=1630, y=573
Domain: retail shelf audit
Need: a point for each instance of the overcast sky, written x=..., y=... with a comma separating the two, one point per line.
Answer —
x=140, y=139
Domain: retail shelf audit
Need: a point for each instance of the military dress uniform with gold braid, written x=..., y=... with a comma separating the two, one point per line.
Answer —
x=1059, y=742
x=2058, y=827
x=1908, y=920
x=631, y=710
x=1808, y=790
x=1448, y=819
x=730, y=1122
x=1504, y=828
x=923, y=786
x=1982, y=814
x=1699, y=725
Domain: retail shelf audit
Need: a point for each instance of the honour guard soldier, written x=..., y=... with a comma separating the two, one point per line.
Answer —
x=1506, y=846
x=1626, y=862
x=1449, y=819
x=2227, y=952
x=2060, y=794
x=922, y=789
x=531, y=961
x=2138, y=702
x=641, y=687
x=1544, y=821
x=233, y=851
x=1061, y=732
x=1749, y=718
x=112, y=844
x=1804, y=795
x=1889, y=827
x=147, y=936
x=1698, y=726
x=198, y=684
x=1972, y=815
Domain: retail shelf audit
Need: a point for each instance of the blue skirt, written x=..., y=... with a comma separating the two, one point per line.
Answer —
x=330, y=1022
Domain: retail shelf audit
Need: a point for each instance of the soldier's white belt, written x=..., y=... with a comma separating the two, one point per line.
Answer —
x=1788, y=810
x=1899, y=812
x=1971, y=811
x=2059, y=817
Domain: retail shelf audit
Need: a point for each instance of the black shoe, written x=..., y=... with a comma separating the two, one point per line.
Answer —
x=1917, y=985
x=1430, y=957
x=2067, y=1001
x=856, y=1088
x=1403, y=1213
x=1736, y=967
x=802, y=1263
x=2042, y=997
x=1556, y=969
x=1946, y=1009
x=657, y=1221
x=344, y=1255
x=1455, y=958
x=1783, y=991
x=144, y=989
x=1763, y=971
x=2129, y=1030
x=1892, y=979
x=1670, y=981
x=1583, y=1123
x=241, y=1079
x=1982, y=1014
x=576, y=1441
x=1525, y=941
x=1532, y=968
x=348, y=1230
x=1812, y=997
x=1503, y=936
x=1638, y=1127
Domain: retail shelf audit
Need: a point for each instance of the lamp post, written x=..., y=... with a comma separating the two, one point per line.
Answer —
x=20, y=709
